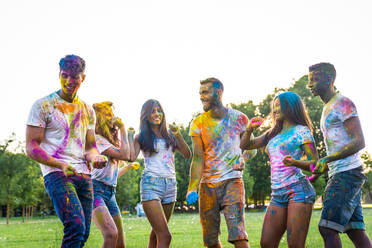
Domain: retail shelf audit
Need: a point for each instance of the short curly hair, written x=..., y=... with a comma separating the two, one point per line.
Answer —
x=215, y=83
x=72, y=63
x=327, y=69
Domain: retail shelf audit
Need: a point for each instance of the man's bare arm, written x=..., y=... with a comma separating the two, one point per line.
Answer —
x=34, y=137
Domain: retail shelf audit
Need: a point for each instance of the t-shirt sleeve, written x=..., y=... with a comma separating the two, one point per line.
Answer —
x=346, y=109
x=304, y=135
x=92, y=118
x=37, y=115
x=243, y=122
x=102, y=144
x=195, y=127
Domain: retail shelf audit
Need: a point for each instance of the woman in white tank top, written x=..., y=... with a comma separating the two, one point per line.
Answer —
x=158, y=182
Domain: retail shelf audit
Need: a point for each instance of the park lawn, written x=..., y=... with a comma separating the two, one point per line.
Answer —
x=185, y=228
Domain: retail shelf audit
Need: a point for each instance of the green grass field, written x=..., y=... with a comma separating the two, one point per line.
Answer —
x=185, y=228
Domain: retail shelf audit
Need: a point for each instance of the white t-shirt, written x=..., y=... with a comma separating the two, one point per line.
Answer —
x=108, y=174
x=66, y=125
x=335, y=112
x=160, y=163
x=286, y=143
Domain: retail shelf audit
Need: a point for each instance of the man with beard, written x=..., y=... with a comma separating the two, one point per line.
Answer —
x=60, y=136
x=343, y=137
x=217, y=165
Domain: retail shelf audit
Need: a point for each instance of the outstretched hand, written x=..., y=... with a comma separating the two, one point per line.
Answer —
x=99, y=161
x=256, y=122
x=134, y=165
x=289, y=161
x=131, y=132
x=192, y=197
x=174, y=128
x=118, y=122
x=321, y=166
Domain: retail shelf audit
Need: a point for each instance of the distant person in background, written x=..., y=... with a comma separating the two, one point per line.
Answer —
x=292, y=197
x=216, y=167
x=158, y=182
x=343, y=138
x=139, y=210
x=112, y=142
x=60, y=136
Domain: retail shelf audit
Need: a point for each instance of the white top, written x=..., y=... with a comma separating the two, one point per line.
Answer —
x=66, y=125
x=335, y=112
x=108, y=174
x=160, y=163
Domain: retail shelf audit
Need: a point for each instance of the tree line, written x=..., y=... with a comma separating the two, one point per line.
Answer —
x=21, y=183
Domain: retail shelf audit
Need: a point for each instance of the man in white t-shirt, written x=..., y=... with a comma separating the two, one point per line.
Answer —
x=60, y=136
x=343, y=138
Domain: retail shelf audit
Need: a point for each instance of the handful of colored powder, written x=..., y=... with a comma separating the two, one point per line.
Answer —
x=192, y=198
x=135, y=165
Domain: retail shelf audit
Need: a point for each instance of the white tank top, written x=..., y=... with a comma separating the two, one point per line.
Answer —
x=160, y=163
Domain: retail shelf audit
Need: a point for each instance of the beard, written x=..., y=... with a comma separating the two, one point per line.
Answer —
x=211, y=104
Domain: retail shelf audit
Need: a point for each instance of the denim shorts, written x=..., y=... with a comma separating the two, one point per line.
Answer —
x=104, y=195
x=301, y=191
x=158, y=188
x=342, y=209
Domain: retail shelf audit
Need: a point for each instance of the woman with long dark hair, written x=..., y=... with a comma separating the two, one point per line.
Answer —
x=106, y=213
x=286, y=142
x=158, y=182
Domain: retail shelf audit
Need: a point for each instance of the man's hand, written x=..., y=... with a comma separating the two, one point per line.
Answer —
x=99, y=161
x=321, y=165
x=240, y=165
x=192, y=197
x=289, y=161
x=69, y=170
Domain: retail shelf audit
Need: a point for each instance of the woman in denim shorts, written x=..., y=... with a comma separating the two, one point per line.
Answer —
x=106, y=213
x=292, y=197
x=158, y=182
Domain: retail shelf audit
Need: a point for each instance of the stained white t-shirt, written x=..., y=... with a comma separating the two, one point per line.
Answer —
x=108, y=174
x=221, y=142
x=288, y=142
x=335, y=112
x=66, y=125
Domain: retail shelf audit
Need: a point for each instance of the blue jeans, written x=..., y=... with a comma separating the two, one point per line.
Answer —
x=342, y=209
x=301, y=191
x=73, y=201
x=104, y=195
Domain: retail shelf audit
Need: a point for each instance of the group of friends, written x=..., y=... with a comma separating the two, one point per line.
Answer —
x=82, y=150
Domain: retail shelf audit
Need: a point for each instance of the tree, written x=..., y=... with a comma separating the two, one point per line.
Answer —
x=128, y=187
x=10, y=167
x=182, y=167
x=367, y=166
x=30, y=183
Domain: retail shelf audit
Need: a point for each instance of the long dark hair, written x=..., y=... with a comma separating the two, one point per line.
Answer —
x=293, y=110
x=147, y=135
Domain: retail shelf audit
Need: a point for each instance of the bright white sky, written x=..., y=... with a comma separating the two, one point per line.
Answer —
x=136, y=50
